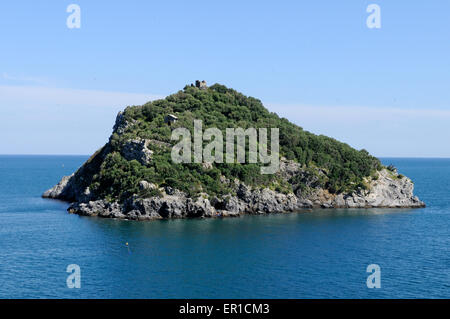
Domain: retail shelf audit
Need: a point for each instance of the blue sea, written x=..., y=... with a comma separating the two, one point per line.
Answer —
x=313, y=254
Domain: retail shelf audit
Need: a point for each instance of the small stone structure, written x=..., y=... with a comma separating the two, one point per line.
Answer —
x=201, y=85
x=169, y=119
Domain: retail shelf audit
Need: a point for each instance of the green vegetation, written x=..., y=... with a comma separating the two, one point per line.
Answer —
x=342, y=167
x=391, y=168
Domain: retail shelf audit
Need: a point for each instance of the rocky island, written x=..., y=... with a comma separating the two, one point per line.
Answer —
x=134, y=177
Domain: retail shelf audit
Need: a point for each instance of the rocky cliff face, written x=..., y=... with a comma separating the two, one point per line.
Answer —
x=389, y=190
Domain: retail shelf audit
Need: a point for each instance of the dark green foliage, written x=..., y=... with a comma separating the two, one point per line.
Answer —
x=391, y=168
x=118, y=178
x=218, y=106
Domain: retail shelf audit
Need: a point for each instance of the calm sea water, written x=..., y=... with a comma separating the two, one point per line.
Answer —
x=316, y=254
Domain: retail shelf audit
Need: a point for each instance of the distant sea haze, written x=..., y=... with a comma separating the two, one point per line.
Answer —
x=315, y=254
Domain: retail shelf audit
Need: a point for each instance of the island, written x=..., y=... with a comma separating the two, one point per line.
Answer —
x=133, y=176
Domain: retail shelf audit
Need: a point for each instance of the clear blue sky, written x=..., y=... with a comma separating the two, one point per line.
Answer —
x=314, y=62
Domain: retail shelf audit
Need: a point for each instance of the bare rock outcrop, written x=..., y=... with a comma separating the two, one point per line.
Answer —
x=56, y=191
x=389, y=190
x=137, y=149
x=169, y=206
x=121, y=124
